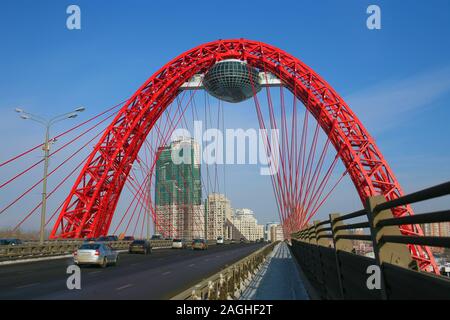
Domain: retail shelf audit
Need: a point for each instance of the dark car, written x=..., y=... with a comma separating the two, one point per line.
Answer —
x=112, y=238
x=140, y=246
x=90, y=239
x=102, y=239
x=10, y=242
x=157, y=237
x=128, y=238
x=199, y=244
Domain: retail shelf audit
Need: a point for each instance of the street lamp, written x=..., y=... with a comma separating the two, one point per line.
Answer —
x=47, y=123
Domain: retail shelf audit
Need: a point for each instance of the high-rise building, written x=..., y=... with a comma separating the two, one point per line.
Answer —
x=218, y=210
x=276, y=233
x=437, y=230
x=268, y=230
x=178, y=193
x=245, y=221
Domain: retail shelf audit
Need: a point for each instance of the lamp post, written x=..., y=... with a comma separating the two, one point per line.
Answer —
x=47, y=123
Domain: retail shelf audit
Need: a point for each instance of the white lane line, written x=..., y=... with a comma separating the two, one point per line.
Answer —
x=28, y=285
x=124, y=287
x=5, y=263
x=95, y=272
x=166, y=273
x=191, y=265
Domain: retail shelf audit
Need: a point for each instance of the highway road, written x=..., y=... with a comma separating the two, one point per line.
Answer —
x=160, y=275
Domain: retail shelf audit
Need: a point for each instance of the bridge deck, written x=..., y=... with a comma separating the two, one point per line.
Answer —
x=278, y=279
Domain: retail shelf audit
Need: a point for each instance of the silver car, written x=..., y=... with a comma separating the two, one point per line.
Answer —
x=95, y=254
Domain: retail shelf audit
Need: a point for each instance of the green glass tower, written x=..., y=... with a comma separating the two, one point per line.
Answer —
x=178, y=190
x=178, y=184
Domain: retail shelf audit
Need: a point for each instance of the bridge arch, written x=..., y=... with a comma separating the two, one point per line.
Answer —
x=89, y=208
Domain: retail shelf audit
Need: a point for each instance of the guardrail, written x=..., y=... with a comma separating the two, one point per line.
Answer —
x=229, y=282
x=32, y=250
x=325, y=252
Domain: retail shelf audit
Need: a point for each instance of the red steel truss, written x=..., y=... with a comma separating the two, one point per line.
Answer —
x=89, y=208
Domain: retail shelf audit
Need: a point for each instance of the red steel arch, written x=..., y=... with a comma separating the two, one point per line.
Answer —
x=89, y=208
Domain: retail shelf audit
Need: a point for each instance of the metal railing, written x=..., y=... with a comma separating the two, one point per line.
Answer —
x=31, y=250
x=229, y=282
x=326, y=254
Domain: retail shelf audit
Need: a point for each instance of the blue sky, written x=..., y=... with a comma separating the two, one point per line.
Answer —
x=396, y=79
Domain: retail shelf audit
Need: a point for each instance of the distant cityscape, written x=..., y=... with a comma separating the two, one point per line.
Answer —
x=181, y=211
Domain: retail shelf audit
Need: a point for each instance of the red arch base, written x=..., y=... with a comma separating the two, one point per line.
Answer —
x=89, y=208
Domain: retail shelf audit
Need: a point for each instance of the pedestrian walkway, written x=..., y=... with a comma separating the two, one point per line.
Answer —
x=278, y=279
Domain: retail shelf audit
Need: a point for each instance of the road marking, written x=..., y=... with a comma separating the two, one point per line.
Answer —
x=124, y=287
x=166, y=273
x=135, y=264
x=191, y=265
x=95, y=272
x=27, y=285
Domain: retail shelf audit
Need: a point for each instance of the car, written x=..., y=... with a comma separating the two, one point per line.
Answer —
x=199, y=244
x=112, y=238
x=140, y=246
x=10, y=242
x=99, y=254
x=243, y=240
x=179, y=244
x=219, y=240
x=128, y=238
x=90, y=240
x=102, y=238
x=157, y=237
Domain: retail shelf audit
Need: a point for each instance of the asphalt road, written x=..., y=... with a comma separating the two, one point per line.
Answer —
x=160, y=275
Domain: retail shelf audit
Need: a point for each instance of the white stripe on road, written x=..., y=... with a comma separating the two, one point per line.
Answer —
x=166, y=273
x=124, y=287
x=191, y=265
x=28, y=285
